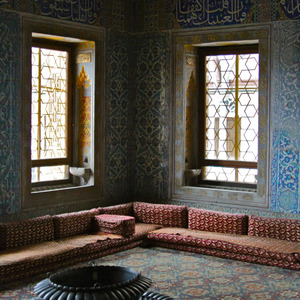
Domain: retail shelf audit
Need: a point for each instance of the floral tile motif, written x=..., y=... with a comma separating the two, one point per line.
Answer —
x=151, y=117
x=117, y=106
x=9, y=113
x=286, y=115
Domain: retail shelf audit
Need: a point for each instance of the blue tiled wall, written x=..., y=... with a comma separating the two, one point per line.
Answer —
x=137, y=92
x=9, y=113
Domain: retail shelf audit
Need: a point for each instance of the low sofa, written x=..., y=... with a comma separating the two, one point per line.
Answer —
x=47, y=243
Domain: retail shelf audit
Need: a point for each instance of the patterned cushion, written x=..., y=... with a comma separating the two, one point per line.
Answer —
x=229, y=242
x=120, y=209
x=161, y=214
x=290, y=264
x=283, y=229
x=208, y=220
x=118, y=224
x=75, y=223
x=26, y=232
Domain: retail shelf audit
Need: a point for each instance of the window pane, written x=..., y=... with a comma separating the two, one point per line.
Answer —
x=242, y=175
x=49, y=104
x=232, y=107
x=39, y=174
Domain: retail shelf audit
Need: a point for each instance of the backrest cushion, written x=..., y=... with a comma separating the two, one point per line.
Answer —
x=213, y=221
x=161, y=214
x=120, y=209
x=282, y=229
x=26, y=232
x=75, y=223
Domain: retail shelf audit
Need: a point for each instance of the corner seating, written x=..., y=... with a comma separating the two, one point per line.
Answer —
x=48, y=243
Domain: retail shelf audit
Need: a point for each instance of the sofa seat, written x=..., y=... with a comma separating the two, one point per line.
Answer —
x=26, y=261
x=260, y=247
x=33, y=252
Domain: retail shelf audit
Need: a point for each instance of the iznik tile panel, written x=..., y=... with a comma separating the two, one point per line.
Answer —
x=9, y=112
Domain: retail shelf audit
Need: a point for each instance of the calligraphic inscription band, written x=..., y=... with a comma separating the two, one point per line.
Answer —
x=191, y=13
x=82, y=11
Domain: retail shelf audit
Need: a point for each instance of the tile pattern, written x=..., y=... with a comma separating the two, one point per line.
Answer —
x=117, y=107
x=151, y=117
x=151, y=110
x=9, y=112
x=286, y=115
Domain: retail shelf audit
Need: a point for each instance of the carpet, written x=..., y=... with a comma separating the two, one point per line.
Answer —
x=184, y=275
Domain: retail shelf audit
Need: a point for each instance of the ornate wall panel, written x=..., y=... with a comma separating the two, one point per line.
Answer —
x=151, y=117
x=9, y=112
x=137, y=136
x=117, y=139
x=286, y=116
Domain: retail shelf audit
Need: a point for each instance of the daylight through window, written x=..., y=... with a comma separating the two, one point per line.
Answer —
x=229, y=151
x=50, y=136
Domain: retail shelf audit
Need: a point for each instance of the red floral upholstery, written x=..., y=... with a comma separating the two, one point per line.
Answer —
x=231, y=255
x=207, y=220
x=26, y=232
x=118, y=224
x=161, y=214
x=67, y=254
x=76, y=223
x=283, y=229
x=120, y=209
x=243, y=244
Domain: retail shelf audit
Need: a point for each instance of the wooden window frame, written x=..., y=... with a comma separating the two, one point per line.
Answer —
x=67, y=47
x=202, y=162
x=83, y=196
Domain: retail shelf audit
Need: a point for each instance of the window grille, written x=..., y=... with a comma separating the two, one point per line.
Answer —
x=229, y=150
x=49, y=114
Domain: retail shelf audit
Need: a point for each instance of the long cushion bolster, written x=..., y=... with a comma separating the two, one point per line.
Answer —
x=257, y=246
x=214, y=221
x=26, y=232
x=163, y=214
x=283, y=229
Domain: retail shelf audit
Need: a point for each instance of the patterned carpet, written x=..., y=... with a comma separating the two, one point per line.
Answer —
x=183, y=275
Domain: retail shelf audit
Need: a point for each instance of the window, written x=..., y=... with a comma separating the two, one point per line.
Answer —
x=62, y=113
x=51, y=113
x=228, y=109
x=220, y=140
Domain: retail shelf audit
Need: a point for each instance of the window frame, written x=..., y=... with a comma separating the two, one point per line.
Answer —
x=235, y=197
x=203, y=162
x=82, y=196
x=68, y=160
